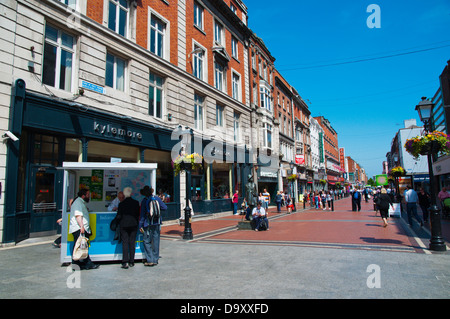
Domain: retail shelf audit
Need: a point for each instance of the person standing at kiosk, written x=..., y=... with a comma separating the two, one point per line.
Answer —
x=79, y=224
x=128, y=214
x=150, y=224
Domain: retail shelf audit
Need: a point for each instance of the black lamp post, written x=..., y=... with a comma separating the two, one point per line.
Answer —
x=425, y=108
x=187, y=167
x=292, y=165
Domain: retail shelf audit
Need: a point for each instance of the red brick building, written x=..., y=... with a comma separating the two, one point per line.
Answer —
x=331, y=149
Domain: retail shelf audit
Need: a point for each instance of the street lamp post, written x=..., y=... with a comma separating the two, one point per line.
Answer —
x=437, y=243
x=187, y=234
x=292, y=165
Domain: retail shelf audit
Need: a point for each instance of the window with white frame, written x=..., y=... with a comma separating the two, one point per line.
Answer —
x=254, y=61
x=118, y=12
x=198, y=112
x=198, y=15
x=219, y=115
x=267, y=128
x=265, y=98
x=157, y=35
x=155, y=95
x=58, y=58
x=234, y=48
x=218, y=33
x=236, y=86
x=236, y=127
x=198, y=62
x=219, y=76
x=115, y=72
x=255, y=94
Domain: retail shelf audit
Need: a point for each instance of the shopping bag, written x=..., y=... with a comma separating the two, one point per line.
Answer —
x=81, y=249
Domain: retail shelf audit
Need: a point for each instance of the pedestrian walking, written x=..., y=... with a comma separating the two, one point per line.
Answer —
x=323, y=197
x=329, y=199
x=424, y=203
x=80, y=225
x=411, y=200
x=278, y=199
x=356, y=201
x=128, y=215
x=316, y=200
x=383, y=201
x=266, y=196
x=235, y=202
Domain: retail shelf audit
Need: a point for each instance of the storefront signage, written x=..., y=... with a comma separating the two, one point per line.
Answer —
x=300, y=159
x=111, y=130
x=342, y=158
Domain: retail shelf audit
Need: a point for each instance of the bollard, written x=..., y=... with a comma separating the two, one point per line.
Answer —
x=332, y=205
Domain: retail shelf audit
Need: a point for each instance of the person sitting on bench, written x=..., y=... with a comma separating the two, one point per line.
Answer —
x=260, y=217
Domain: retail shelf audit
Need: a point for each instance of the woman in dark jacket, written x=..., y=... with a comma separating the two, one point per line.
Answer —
x=128, y=214
x=424, y=203
x=383, y=202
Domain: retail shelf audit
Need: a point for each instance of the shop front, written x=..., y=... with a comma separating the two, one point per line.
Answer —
x=51, y=132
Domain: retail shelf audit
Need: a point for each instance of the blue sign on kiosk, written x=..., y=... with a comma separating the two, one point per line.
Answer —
x=104, y=181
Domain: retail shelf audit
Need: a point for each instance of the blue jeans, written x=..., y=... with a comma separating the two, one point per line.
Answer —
x=151, y=243
x=411, y=209
x=235, y=208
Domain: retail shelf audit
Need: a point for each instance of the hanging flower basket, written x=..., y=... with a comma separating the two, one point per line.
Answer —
x=397, y=171
x=431, y=143
x=322, y=182
x=187, y=162
x=292, y=177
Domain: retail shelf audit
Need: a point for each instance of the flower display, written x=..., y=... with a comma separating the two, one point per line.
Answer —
x=188, y=161
x=397, y=171
x=292, y=177
x=435, y=141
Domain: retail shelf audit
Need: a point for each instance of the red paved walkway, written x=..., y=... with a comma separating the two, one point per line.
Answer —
x=341, y=228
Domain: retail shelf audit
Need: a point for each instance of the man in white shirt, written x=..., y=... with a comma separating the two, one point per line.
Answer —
x=114, y=206
x=259, y=213
x=411, y=200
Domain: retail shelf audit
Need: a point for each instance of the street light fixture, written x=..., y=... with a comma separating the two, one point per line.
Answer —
x=292, y=165
x=187, y=135
x=425, y=108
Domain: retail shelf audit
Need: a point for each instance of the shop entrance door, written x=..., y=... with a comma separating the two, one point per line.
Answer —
x=43, y=201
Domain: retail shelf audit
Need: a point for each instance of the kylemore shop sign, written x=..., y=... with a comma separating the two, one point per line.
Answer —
x=116, y=131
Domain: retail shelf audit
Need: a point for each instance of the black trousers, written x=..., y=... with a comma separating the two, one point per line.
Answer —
x=128, y=236
x=356, y=205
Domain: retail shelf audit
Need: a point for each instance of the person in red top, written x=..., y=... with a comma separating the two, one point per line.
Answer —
x=235, y=202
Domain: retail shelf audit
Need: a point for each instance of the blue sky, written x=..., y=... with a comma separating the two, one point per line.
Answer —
x=366, y=102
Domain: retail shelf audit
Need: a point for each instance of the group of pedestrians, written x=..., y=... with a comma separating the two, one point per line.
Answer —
x=384, y=200
x=322, y=199
x=131, y=217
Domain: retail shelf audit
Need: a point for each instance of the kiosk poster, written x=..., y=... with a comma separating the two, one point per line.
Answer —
x=85, y=182
x=97, y=185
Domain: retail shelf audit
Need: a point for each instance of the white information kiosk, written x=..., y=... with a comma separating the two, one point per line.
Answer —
x=104, y=181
